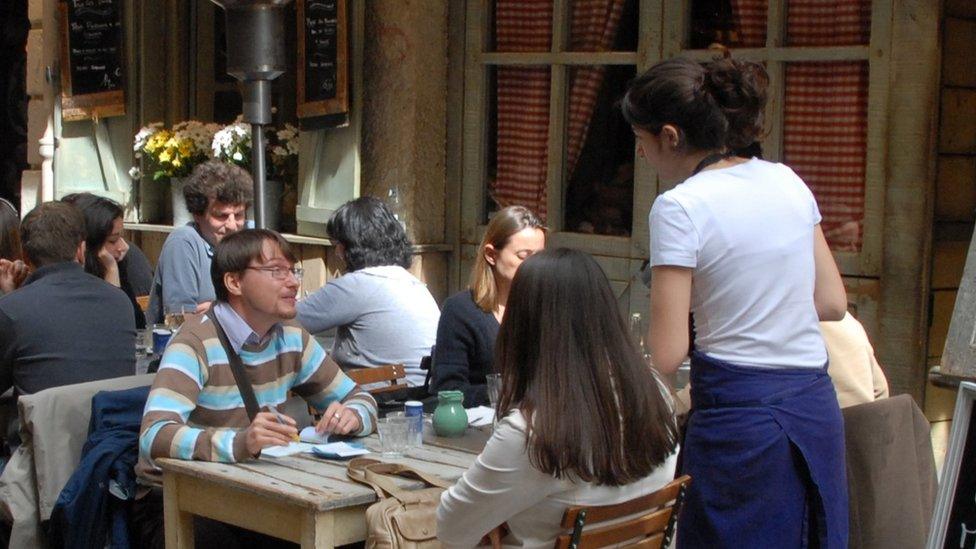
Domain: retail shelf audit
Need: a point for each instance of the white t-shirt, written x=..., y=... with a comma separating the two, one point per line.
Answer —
x=747, y=231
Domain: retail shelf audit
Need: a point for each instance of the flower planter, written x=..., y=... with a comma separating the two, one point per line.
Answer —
x=181, y=216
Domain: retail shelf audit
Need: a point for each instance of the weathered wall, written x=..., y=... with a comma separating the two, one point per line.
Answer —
x=955, y=193
x=405, y=110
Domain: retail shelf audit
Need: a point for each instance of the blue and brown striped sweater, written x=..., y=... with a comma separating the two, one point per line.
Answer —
x=195, y=410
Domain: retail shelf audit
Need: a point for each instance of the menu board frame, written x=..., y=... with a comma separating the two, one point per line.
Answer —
x=307, y=106
x=952, y=470
x=89, y=105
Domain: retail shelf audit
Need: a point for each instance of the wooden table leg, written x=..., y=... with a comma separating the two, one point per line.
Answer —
x=178, y=524
x=318, y=531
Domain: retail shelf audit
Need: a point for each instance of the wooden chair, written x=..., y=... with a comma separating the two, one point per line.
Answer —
x=653, y=528
x=392, y=373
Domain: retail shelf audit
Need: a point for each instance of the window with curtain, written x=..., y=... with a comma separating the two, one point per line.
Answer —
x=553, y=72
x=817, y=53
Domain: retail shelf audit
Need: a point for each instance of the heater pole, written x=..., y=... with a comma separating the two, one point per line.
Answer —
x=256, y=56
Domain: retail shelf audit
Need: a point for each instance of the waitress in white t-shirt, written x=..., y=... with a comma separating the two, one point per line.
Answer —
x=738, y=244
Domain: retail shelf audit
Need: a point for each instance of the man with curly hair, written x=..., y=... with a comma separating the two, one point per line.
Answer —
x=217, y=195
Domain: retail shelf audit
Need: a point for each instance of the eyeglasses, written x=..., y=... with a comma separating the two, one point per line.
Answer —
x=281, y=273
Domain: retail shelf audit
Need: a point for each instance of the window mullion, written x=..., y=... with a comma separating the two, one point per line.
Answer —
x=776, y=23
x=557, y=119
x=474, y=136
x=773, y=140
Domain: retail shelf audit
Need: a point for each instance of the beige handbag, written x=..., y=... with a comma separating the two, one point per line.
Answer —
x=401, y=519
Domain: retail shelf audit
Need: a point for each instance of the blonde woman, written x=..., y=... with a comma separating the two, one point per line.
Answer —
x=469, y=320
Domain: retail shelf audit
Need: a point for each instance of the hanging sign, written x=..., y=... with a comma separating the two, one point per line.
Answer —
x=323, y=66
x=92, y=74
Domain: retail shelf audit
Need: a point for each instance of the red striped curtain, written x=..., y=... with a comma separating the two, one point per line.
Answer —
x=523, y=93
x=523, y=105
x=825, y=107
x=750, y=21
x=594, y=26
x=826, y=114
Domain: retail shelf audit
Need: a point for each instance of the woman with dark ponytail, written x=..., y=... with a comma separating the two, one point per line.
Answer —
x=738, y=244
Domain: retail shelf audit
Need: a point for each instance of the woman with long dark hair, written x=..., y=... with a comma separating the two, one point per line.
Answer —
x=583, y=419
x=382, y=314
x=13, y=270
x=470, y=318
x=738, y=243
x=106, y=251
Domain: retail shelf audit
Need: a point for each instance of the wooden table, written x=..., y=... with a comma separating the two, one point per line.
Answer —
x=299, y=498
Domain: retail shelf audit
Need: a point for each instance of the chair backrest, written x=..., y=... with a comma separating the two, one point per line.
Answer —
x=53, y=429
x=891, y=476
x=368, y=376
x=651, y=525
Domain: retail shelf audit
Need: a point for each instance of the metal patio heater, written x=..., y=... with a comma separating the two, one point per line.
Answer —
x=256, y=56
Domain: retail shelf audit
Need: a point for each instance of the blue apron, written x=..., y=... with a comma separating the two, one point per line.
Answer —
x=765, y=451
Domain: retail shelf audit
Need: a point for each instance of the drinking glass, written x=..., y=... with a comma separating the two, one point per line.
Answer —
x=174, y=315
x=394, y=435
x=494, y=382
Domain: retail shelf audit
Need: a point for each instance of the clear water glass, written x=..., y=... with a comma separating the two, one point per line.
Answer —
x=494, y=382
x=394, y=433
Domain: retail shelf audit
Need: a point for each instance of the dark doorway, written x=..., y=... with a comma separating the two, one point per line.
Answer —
x=13, y=97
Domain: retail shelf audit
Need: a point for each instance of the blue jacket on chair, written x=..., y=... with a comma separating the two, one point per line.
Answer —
x=85, y=512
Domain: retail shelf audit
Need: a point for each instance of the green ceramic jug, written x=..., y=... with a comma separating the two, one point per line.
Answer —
x=450, y=418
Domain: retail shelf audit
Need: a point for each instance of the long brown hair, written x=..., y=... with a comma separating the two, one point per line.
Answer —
x=594, y=409
x=505, y=223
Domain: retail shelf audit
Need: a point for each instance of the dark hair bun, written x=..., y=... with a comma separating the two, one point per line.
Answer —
x=739, y=89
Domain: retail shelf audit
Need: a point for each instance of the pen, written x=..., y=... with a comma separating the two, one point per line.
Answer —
x=280, y=419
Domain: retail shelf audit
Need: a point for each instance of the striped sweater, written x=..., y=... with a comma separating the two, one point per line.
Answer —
x=195, y=410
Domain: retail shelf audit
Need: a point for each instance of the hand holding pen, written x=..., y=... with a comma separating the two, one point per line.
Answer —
x=269, y=428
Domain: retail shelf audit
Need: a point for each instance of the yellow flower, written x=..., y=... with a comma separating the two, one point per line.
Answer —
x=186, y=147
x=165, y=156
x=157, y=141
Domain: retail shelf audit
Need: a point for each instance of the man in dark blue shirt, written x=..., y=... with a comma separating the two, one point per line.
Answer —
x=63, y=326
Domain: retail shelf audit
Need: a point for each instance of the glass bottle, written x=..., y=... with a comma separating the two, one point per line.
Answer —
x=637, y=331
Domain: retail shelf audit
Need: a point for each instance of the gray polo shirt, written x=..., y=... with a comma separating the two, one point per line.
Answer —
x=382, y=315
x=182, y=274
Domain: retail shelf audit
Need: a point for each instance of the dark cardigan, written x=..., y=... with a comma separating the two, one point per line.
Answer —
x=465, y=349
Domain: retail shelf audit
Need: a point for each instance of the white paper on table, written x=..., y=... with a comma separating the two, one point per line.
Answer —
x=341, y=449
x=309, y=435
x=480, y=416
x=290, y=450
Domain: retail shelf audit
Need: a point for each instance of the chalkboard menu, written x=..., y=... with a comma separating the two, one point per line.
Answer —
x=92, y=74
x=954, y=519
x=322, y=57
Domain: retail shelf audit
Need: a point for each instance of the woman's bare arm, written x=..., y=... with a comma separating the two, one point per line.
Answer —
x=670, y=305
x=829, y=294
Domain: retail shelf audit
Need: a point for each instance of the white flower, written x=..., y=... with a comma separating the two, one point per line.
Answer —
x=135, y=173
x=238, y=156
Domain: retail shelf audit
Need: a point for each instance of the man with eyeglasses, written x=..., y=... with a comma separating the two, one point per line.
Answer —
x=195, y=409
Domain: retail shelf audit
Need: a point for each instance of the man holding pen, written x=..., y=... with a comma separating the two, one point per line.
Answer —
x=195, y=409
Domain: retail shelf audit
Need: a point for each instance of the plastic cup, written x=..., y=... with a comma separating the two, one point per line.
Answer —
x=160, y=338
x=414, y=409
x=394, y=433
